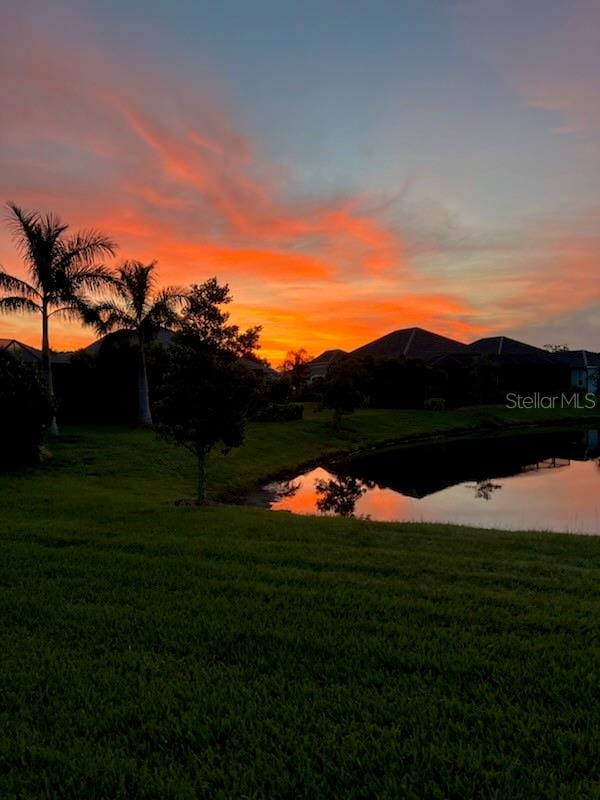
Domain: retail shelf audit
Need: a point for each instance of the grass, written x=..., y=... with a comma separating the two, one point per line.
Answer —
x=155, y=651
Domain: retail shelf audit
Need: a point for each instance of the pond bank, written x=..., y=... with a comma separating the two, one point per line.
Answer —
x=469, y=423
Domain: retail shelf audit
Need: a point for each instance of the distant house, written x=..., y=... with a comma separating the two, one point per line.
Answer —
x=163, y=337
x=318, y=366
x=521, y=367
x=584, y=369
x=505, y=347
x=259, y=367
x=30, y=355
x=518, y=366
x=414, y=343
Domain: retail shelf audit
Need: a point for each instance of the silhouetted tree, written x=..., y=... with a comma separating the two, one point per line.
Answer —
x=295, y=365
x=343, y=388
x=204, y=318
x=62, y=270
x=207, y=394
x=26, y=409
x=138, y=307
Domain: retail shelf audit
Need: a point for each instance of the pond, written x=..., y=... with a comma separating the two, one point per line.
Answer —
x=534, y=481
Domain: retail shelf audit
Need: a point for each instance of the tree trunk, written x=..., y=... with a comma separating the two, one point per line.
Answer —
x=201, y=493
x=47, y=364
x=144, y=413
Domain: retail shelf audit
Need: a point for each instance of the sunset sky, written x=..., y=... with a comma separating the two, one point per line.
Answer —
x=348, y=167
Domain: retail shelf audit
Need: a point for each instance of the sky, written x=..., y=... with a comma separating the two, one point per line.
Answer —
x=349, y=167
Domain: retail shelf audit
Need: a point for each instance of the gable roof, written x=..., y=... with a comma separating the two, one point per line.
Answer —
x=410, y=343
x=20, y=350
x=31, y=355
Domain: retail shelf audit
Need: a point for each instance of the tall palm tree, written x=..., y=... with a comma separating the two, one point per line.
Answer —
x=62, y=269
x=138, y=307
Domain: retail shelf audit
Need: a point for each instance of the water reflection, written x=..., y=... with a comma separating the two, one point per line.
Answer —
x=339, y=495
x=548, y=481
x=485, y=489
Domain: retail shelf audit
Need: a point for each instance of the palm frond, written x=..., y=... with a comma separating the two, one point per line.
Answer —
x=112, y=316
x=136, y=286
x=9, y=283
x=89, y=277
x=79, y=309
x=164, y=310
x=83, y=249
x=36, y=239
x=21, y=305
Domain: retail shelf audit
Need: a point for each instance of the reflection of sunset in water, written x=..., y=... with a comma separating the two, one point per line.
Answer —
x=562, y=499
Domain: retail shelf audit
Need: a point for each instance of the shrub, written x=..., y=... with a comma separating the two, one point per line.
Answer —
x=25, y=408
x=280, y=412
x=435, y=404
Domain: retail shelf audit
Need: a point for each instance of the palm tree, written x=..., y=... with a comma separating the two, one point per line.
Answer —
x=62, y=269
x=137, y=307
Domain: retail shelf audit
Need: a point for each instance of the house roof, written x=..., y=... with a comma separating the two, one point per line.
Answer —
x=505, y=350
x=256, y=365
x=163, y=337
x=328, y=356
x=21, y=350
x=504, y=345
x=578, y=359
x=411, y=343
x=30, y=354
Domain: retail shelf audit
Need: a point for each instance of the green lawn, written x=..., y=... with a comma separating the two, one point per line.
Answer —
x=149, y=650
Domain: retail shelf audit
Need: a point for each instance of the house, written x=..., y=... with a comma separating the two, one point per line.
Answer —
x=505, y=347
x=415, y=343
x=521, y=367
x=30, y=355
x=584, y=369
x=318, y=366
x=259, y=367
x=514, y=366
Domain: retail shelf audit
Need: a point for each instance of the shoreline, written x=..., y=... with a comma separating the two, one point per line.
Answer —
x=258, y=497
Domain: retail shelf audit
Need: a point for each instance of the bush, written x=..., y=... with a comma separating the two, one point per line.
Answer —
x=25, y=408
x=280, y=412
x=435, y=404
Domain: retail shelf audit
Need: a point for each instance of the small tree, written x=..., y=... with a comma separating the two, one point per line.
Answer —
x=296, y=366
x=26, y=408
x=343, y=389
x=207, y=394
